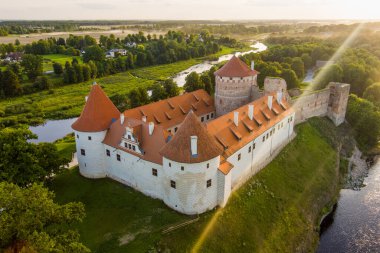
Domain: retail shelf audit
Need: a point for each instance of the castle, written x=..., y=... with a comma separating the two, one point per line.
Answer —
x=192, y=151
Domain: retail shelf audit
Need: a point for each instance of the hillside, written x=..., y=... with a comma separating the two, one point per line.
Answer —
x=276, y=211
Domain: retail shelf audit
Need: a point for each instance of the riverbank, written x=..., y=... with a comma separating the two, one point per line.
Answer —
x=277, y=210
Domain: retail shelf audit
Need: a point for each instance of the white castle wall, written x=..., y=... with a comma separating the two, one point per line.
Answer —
x=249, y=161
x=134, y=172
x=191, y=195
x=91, y=164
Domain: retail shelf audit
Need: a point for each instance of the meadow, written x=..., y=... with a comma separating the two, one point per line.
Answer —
x=59, y=58
x=277, y=210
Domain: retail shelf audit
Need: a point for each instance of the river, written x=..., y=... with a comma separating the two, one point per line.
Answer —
x=53, y=130
x=356, y=221
x=206, y=65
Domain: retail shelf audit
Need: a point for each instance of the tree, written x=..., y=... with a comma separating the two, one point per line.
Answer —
x=138, y=97
x=30, y=217
x=158, y=92
x=42, y=83
x=307, y=60
x=372, y=93
x=171, y=88
x=32, y=65
x=57, y=67
x=10, y=84
x=298, y=67
x=93, y=53
x=364, y=117
x=205, y=79
x=331, y=73
x=23, y=162
x=291, y=78
x=193, y=82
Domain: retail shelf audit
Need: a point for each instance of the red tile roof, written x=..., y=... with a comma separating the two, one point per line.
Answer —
x=232, y=138
x=179, y=149
x=235, y=68
x=98, y=112
x=172, y=111
x=150, y=144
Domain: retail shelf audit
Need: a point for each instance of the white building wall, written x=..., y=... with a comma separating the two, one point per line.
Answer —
x=249, y=162
x=191, y=195
x=224, y=188
x=134, y=172
x=91, y=164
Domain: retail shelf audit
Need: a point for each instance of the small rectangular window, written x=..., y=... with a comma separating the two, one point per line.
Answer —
x=108, y=153
x=77, y=136
x=133, y=148
x=239, y=157
x=154, y=172
x=212, y=115
x=83, y=152
x=249, y=149
x=254, y=145
x=89, y=138
x=208, y=117
x=129, y=136
x=208, y=165
x=202, y=119
x=208, y=184
x=125, y=145
x=267, y=135
x=263, y=138
x=172, y=184
x=182, y=168
x=170, y=164
x=175, y=129
x=118, y=157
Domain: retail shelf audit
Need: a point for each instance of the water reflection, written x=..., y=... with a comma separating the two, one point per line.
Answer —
x=356, y=226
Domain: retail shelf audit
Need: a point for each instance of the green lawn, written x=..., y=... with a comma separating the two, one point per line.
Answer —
x=275, y=211
x=66, y=146
x=67, y=101
x=114, y=213
x=59, y=58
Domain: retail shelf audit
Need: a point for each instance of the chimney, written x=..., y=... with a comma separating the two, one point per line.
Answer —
x=252, y=65
x=144, y=118
x=151, y=128
x=86, y=98
x=194, y=145
x=236, y=118
x=270, y=100
x=251, y=109
x=122, y=118
x=279, y=97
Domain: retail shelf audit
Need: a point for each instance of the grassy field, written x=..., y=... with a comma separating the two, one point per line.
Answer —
x=66, y=146
x=275, y=211
x=67, y=101
x=59, y=58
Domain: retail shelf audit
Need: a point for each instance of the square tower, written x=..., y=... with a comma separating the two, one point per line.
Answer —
x=337, y=106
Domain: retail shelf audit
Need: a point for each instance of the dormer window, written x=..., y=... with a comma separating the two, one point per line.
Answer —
x=129, y=136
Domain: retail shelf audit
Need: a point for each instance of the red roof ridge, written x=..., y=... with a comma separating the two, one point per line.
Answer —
x=235, y=68
x=98, y=112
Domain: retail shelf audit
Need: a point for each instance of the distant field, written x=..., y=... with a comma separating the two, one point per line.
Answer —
x=59, y=58
x=275, y=211
x=29, y=38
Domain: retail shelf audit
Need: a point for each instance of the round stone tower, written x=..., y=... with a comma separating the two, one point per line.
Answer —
x=235, y=86
x=90, y=129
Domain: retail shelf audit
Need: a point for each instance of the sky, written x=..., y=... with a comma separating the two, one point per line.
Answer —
x=189, y=9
